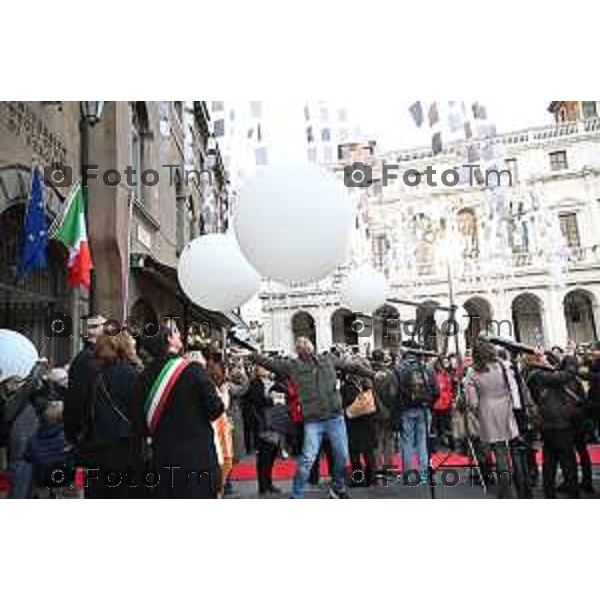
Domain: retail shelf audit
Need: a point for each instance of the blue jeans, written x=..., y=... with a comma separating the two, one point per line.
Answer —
x=335, y=429
x=415, y=429
x=21, y=479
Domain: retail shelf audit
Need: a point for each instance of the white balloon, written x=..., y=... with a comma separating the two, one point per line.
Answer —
x=214, y=274
x=17, y=354
x=364, y=290
x=293, y=223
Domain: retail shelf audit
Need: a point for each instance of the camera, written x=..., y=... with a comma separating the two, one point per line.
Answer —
x=362, y=326
x=358, y=175
x=55, y=476
x=58, y=325
x=58, y=175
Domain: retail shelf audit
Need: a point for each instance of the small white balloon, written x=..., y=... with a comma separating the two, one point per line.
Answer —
x=293, y=222
x=364, y=290
x=18, y=355
x=214, y=274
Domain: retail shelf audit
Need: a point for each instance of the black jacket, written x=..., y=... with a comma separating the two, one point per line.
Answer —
x=82, y=373
x=112, y=403
x=184, y=438
x=548, y=391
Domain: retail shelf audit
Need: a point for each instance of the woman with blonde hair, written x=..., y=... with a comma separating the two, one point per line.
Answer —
x=115, y=464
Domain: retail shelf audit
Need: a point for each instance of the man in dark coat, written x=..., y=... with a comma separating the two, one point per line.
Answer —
x=184, y=454
x=82, y=374
x=548, y=390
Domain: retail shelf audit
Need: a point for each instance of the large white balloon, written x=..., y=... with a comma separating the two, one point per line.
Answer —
x=364, y=290
x=214, y=274
x=293, y=223
x=17, y=354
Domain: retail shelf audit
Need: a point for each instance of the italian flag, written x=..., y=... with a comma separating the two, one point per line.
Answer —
x=70, y=230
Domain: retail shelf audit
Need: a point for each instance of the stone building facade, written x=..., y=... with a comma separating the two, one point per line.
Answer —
x=136, y=232
x=544, y=286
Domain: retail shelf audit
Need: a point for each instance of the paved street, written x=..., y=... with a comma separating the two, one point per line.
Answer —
x=395, y=490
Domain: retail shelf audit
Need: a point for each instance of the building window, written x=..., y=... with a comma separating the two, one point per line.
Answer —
x=232, y=115
x=342, y=116
x=558, y=161
x=328, y=154
x=219, y=127
x=511, y=165
x=261, y=156
x=324, y=113
x=326, y=135
x=312, y=155
x=309, y=135
x=256, y=108
x=258, y=133
x=178, y=105
x=570, y=230
x=218, y=105
x=306, y=113
x=139, y=131
x=588, y=108
x=181, y=223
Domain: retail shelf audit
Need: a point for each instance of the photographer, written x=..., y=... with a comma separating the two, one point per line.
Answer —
x=22, y=422
x=580, y=420
x=548, y=390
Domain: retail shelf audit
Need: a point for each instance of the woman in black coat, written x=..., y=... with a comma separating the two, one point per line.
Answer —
x=183, y=446
x=267, y=441
x=362, y=433
x=113, y=453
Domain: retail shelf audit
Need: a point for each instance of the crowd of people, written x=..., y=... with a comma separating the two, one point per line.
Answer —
x=146, y=418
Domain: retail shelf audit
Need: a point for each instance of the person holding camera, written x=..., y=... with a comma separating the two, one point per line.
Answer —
x=548, y=389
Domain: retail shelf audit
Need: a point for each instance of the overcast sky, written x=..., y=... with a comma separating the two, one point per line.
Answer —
x=390, y=121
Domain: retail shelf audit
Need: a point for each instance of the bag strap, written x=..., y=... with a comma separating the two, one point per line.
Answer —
x=108, y=396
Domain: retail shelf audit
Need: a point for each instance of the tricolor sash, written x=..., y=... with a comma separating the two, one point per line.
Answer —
x=159, y=395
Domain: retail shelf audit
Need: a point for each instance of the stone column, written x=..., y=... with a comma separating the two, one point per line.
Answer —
x=555, y=323
x=324, y=333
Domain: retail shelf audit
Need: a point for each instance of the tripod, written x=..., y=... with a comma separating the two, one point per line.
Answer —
x=472, y=454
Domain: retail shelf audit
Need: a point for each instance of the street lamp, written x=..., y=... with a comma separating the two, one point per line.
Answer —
x=91, y=111
x=450, y=247
x=91, y=114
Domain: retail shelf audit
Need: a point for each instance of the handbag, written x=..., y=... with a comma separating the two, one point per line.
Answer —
x=363, y=405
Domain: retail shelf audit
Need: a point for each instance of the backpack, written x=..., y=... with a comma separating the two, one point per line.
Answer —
x=415, y=389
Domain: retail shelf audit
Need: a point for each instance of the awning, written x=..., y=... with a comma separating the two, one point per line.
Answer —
x=236, y=341
x=166, y=277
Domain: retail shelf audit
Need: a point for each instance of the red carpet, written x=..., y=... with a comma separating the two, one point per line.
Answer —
x=286, y=469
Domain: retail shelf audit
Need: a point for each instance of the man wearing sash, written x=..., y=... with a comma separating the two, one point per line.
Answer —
x=178, y=402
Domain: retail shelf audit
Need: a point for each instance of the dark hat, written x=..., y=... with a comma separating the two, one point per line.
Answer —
x=157, y=346
x=378, y=356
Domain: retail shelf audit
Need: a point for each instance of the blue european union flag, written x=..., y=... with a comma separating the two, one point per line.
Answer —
x=35, y=233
